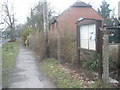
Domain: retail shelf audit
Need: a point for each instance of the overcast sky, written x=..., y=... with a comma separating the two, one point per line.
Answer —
x=22, y=7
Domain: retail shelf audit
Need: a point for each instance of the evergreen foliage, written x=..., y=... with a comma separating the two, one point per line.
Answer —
x=104, y=9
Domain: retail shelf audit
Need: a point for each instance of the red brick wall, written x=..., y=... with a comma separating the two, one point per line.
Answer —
x=67, y=20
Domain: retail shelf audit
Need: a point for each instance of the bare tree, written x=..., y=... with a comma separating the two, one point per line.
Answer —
x=2, y=24
x=9, y=18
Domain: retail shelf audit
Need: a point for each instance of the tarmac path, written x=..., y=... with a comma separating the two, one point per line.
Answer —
x=26, y=73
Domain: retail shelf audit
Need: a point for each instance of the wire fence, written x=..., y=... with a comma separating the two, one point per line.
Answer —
x=110, y=55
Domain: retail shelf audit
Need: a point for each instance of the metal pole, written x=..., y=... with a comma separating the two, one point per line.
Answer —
x=45, y=16
x=46, y=27
x=119, y=62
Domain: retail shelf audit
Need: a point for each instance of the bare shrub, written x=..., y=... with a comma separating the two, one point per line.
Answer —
x=114, y=52
x=37, y=43
x=53, y=45
x=114, y=65
x=67, y=47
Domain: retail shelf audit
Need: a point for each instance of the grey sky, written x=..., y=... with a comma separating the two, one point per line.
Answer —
x=22, y=7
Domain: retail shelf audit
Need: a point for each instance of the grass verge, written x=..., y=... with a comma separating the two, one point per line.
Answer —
x=9, y=52
x=56, y=73
x=63, y=79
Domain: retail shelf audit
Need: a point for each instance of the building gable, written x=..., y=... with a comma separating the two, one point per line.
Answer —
x=67, y=20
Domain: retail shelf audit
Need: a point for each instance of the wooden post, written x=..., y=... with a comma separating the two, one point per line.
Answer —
x=99, y=51
x=99, y=43
x=58, y=44
x=105, y=59
x=78, y=45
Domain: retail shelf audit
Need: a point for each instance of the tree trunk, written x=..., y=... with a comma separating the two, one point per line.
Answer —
x=12, y=34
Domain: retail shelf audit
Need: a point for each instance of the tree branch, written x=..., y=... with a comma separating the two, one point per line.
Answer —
x=7, y=22
x=8, y=13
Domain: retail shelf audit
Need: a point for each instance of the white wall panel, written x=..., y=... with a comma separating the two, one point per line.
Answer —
x=88, y=36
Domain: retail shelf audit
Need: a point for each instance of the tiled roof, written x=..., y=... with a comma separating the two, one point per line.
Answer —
x=80, y=4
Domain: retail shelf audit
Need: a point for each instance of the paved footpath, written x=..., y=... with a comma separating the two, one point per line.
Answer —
x=26, y=73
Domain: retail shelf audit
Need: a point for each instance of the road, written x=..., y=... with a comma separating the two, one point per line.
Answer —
x=3, y=41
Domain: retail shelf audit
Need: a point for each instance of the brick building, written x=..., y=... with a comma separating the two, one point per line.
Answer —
x=68, y=18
